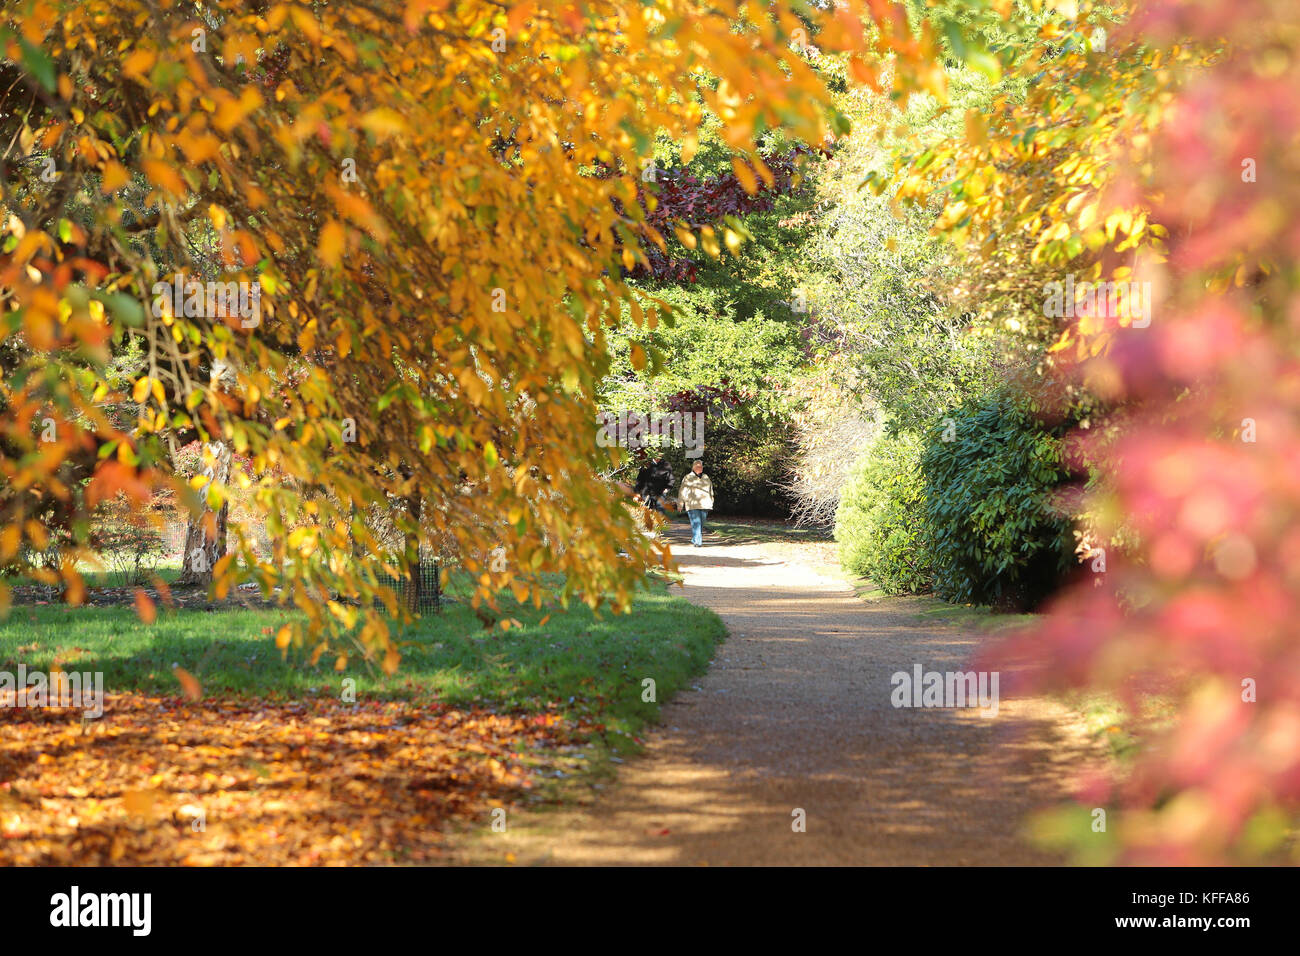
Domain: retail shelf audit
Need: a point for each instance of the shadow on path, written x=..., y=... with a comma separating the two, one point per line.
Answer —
x=795, y=715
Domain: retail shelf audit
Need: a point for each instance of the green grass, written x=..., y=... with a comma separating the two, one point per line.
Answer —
x=573, y=664
x=1105, y=719
x=974, y=615
x=93, y=576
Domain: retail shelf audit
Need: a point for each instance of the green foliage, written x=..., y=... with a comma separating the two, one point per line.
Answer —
x=881, y=287
x=705, y=346
x=762, y=274
x=880, y=520
x=989, y=470
x=732, y=335
x=978, y=37
x=706, y=343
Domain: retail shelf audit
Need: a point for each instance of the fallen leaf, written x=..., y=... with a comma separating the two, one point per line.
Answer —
x=192, y=688
x=145, y=607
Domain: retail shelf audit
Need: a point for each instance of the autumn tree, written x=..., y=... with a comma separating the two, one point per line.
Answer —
x=409, y=192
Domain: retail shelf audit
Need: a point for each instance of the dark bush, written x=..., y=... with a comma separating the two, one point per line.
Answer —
x=989, y=469
x=746, y=463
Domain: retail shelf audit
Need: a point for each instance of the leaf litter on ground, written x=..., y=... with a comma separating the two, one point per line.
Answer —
x=163, y=781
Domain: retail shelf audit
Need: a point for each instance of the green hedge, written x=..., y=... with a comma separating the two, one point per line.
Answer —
x=879, y=523
x=989, y=469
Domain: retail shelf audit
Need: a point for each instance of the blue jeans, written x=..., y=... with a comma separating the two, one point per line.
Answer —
x=697, y=523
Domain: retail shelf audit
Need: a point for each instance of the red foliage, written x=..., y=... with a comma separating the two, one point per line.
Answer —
x=685, y=199
x=1206, y=607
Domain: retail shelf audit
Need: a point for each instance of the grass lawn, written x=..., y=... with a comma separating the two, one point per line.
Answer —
x=573, y=664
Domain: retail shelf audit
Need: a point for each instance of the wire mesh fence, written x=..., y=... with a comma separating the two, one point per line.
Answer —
x=422, y=592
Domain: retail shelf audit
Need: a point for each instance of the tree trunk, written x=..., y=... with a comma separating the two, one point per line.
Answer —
x=205, y=534
x=415, y=508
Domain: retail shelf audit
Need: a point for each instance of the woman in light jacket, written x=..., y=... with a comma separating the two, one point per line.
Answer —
x=696, y=497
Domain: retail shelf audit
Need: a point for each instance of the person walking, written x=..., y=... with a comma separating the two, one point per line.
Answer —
x=695, y=497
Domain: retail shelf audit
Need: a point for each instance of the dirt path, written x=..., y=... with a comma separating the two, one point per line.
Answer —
x=795, y=713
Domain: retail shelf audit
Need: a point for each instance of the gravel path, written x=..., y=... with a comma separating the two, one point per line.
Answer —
x=795, y=714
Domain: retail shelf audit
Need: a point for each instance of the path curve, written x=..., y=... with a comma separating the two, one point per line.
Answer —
x=795, y=714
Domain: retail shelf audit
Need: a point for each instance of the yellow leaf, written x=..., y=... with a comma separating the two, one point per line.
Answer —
x=306, y=22
x=37, y=534
x=384, y=122
x=709, y=242
x=192, y=688
x=232, y=112
x=10, y=538
x=1088, y=215
x=139, y=803
x=745, y=175
x=689, y=145
x=162, y=175
x=139, y=63
x=330, y=248
x=144, y=607
x=115, y=177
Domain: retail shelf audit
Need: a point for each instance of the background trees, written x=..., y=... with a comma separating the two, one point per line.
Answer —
x=731, y=339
